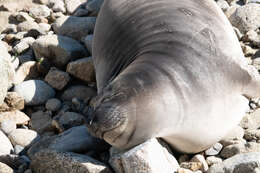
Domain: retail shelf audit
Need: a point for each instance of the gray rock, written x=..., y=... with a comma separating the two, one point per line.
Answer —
x=27, y=56
x=88, y=42
x=246, y=17
x=234, y=149
x=41, y=122
x=66, y=162
x=74, y=27
x=72, y=5
x=18, y=117
x=251, y=121
x=213, y=160
x=8, y=126
x=57, y=79
x=40, y=11
x=252, y=135
x=200, y=158
x=27, y=26
x=82, y=69
x=214, y=150
x=70, y=119
x=147, y=157
x=81, y=12
x=58, y=49
x=22, y=137
x=34, y=92
x=53, y=105
x=94, y=5
x=6, y=71
x=78, y=91
x=77, y=139
x=5, y=168
x=5, y=145
x=242, y=163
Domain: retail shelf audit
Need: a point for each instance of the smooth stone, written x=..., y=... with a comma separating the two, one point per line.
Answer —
x=53, y=104
x=18, y=149
x=41, y=122
x=74, y=27
x=150, y=157
x=6, y=71
x=246, y=17
x=34, y=92
x=57, y=5
x=22, y=137
x=82, y=69
x=16, y=116
x=213, y=160
x=58, y=49
x=72, y=5
x=241, y=163
x=94, y=5
x=214, y=150
x=5, y=144
x=40, y=11
x=78, y=91
x=27, y=26
x=5, y=168
x=57, y=79
x=8, y=126
x=88, y=43
x=66, y=162
x=69, y=120
x=23, y=16
x=251, y=121
x=76, y=139
x=200, y=158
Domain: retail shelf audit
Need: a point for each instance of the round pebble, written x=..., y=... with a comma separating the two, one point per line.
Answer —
x=53, y=104
x=8, y=126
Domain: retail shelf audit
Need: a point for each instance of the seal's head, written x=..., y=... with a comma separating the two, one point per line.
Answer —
x=108, y=117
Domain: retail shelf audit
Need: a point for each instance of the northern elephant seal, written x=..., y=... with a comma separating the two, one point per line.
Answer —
x=170, y=69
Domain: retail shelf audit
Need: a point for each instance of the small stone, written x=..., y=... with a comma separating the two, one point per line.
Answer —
x=45, y=27
x=70, y=119
x=232, y=150
x=246, y=17
x=41, y=122
x=194, y=166
x=5, y=145
x=8, y=126
x=59, y=50
x=253, y=37
x=57, y=5
x=248, y=51
x=252, y=135
x=223, y=5
x=213, y=160
x=27, y=56
x=80, y=92
x=35, y=32
x=21, y=47
x=241, y=163
x=5, y=168
x=214, y=150
x=23, y=16
x=53, y=104
x=40, y=11
x=251, y=121
x=27, y=26
x=26, y=71
x=11, y=28
x=81, y=12
x=22, y=137
x=17, y=116
x=200, y=158
x=74, y=27
x=57, y=78
x=183, y=170
x=14, y=101
x=82, y=69
x=18, y=149
x=72, y=5
x=34, y=92
x=66, y=162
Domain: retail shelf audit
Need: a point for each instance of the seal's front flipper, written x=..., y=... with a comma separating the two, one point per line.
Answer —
x=252, y=89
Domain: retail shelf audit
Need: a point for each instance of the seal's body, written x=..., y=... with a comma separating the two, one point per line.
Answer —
x=170, y=69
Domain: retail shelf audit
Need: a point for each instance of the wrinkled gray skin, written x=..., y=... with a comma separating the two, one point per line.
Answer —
x=168, y=68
